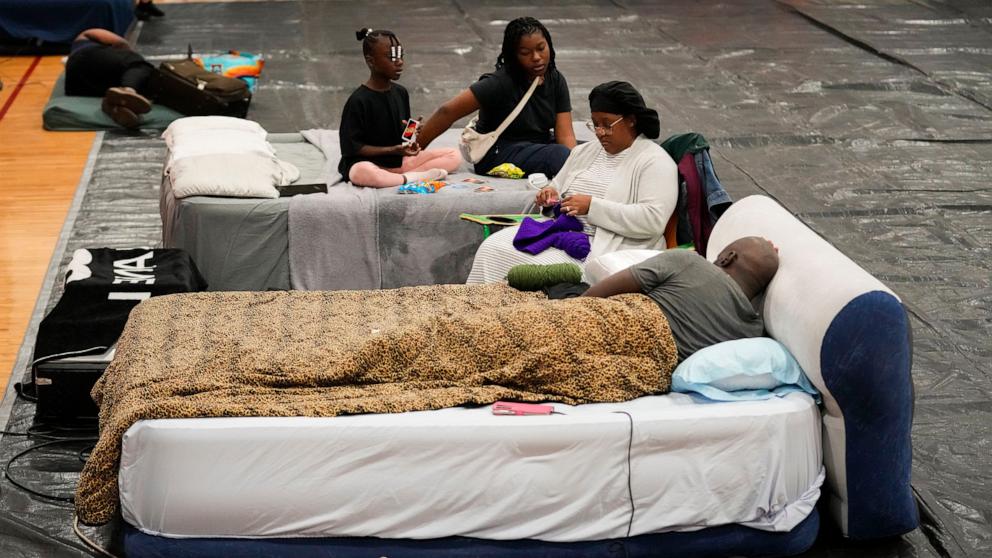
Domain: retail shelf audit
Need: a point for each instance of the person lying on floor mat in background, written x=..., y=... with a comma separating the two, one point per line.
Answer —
x=540, y=138
x=705, y=303
x=102, y=64
x=374, y=149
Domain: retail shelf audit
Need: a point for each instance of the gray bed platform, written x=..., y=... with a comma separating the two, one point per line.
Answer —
x=407, y=239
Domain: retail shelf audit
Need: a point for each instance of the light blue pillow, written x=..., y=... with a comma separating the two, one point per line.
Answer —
x=742, y=370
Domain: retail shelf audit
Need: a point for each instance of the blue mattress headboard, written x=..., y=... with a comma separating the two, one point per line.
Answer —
x=851, y=335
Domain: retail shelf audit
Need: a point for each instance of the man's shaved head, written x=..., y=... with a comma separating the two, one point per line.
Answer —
x=751, y=261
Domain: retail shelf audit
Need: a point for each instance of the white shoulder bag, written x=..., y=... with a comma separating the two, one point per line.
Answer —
x=474, y=145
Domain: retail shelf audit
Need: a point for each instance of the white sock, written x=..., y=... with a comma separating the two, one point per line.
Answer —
x=429, y=174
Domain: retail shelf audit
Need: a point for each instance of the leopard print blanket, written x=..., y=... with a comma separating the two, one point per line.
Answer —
x=321, y=354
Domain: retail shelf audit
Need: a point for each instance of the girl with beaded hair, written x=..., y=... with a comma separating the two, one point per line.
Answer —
x=373, y=120
x=541, y=136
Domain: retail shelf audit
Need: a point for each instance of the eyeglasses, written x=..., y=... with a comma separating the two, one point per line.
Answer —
x=605, y=130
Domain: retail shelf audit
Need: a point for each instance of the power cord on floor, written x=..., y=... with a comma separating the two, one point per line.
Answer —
x=51, y=440
x=630, y=484
x=32, y=432
x=83, y=455
x=12, y=433
x=86, y=540
x=88, y=429
x=19, y=484
x=22, y=391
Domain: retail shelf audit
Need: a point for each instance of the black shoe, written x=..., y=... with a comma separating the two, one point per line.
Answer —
x=122, y=116
x=125, y=107
x=129, y=98
x=145, y=10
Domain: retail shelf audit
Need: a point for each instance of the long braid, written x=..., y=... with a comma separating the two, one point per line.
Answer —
x=515, y=30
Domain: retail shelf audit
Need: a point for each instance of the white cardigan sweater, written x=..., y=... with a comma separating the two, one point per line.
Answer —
x=639, y=201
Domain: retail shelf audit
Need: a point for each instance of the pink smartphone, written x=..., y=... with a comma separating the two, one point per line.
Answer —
x=508, y=408
x=410, y=132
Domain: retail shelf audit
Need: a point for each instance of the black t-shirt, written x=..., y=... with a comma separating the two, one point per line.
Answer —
x=498, y=94
x=373, y=118
x=703, y=304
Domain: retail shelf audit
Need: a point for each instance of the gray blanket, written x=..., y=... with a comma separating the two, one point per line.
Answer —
x=365, y=238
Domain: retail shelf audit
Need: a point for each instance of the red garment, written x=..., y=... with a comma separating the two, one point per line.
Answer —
x=695, y=205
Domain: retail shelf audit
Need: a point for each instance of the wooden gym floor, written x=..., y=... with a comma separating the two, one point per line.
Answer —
x=39, y=172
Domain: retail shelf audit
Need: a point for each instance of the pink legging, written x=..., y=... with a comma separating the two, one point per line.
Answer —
x=365, y=173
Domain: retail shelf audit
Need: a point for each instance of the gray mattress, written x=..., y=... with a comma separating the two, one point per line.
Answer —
x=243, y=244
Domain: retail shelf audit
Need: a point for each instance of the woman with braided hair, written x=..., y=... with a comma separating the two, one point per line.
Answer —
x=541, y=136
x=372, y=123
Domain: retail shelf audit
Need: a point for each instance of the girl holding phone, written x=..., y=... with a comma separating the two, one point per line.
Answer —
x=378, y=147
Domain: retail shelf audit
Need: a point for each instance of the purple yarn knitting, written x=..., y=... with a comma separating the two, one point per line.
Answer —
x=564, y=233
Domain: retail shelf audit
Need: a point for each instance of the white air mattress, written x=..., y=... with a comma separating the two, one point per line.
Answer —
x=466, y=472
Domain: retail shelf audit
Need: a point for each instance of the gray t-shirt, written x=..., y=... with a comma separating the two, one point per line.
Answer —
x=703, y=304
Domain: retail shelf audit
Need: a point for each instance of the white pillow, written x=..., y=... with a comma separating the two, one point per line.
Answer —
x=214, y=142
x=230, y=175
x=218, y=135
x=199, y=123
x=603, y=266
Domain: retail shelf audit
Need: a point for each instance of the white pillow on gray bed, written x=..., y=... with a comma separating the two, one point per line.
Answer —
x=237, y=175
x=193, y=124
x=214, y=142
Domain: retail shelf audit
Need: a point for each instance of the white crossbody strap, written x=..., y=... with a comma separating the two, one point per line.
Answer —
x=520, y=106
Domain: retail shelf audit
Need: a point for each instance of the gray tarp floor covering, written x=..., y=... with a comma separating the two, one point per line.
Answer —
x=871, y=121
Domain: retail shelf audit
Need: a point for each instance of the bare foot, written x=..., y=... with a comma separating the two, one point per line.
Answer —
x=429, y=174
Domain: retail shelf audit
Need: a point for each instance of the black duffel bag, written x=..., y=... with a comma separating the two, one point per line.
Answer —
x=186, y=87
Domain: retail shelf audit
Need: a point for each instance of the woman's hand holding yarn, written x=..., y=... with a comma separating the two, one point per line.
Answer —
x=577, y=204
x=546, y=197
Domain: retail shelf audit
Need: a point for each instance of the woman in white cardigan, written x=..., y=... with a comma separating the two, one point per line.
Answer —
x=623, y=188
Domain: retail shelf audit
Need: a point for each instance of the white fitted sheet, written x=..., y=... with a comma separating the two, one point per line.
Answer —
x=466, y=472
